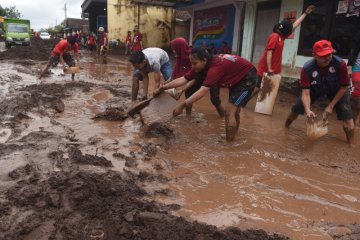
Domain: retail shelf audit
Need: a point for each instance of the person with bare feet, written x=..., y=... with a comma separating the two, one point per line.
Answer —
x=225, y=71
x=149, y=60
x=325, y=75
x=61, y=53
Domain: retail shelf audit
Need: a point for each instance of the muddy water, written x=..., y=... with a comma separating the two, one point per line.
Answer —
x=268, y=178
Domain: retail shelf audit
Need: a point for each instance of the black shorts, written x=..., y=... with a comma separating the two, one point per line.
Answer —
x=342, y=107
x=69, y=60
x=240, y=93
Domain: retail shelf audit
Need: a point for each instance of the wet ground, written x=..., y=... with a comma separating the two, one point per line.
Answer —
x=74, y=166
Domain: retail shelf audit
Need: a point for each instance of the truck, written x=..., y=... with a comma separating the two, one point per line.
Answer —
x=16, y=32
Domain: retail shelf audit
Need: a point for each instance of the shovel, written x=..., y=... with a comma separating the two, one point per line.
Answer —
x=138, y=107
x=71, y=70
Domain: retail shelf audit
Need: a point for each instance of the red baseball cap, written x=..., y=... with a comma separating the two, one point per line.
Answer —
x=322, y=48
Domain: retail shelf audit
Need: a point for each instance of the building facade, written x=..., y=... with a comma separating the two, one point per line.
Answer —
x=245, y=25
x=156, y=22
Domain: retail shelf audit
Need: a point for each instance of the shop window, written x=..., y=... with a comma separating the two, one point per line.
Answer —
x=331, y=21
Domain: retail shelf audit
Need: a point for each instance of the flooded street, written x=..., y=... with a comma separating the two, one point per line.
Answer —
x=269, y=178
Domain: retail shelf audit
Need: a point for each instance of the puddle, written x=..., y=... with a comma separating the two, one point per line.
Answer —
x=269, y=178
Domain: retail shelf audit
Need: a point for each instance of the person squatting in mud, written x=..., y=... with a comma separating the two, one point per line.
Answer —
x=146, y=61
x=61, y=53
x=182, y=65
x=102, y=44
x=225, y=71
x=325, y=75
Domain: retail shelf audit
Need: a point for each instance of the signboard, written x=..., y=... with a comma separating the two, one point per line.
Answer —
x=291, y=15
x=1, y=19
x=214, y=26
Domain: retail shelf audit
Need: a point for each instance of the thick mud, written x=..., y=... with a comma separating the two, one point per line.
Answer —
x=74, y=166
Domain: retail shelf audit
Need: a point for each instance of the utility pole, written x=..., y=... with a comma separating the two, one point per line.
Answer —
x=65, y=10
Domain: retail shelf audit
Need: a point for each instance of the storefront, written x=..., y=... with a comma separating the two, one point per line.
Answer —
x=247, y=25
x=216, y=22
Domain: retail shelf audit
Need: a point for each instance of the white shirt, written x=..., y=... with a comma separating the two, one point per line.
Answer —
x=156, y=58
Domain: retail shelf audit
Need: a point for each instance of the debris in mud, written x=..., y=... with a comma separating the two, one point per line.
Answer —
x=78, y=158
x=80, y=205
x=38, y=50
x=159, y=129
x=112, y=114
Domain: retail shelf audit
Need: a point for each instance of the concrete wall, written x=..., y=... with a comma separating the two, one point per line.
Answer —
x=156, y=23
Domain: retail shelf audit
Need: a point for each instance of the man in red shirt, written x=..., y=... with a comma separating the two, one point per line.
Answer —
x=224, y=71
x=325, y=75
x=137, y=40
x=61, y=53
x=102, y=44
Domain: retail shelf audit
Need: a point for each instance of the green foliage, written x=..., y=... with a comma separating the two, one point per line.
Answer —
x=10, y=12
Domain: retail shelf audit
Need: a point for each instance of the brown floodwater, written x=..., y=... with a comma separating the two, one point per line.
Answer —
x=268, y=178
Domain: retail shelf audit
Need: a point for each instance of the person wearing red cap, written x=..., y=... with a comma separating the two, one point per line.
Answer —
x=325, y=75
x=270, y=62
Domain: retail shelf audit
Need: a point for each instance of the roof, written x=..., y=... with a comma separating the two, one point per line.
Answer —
x=75, y=22
x=85, y=5
x=166, y=3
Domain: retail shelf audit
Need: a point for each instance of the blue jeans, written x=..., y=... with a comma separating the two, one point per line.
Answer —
x=166, y=71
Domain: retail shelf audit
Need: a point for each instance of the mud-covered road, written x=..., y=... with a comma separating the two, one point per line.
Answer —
x=74, y=166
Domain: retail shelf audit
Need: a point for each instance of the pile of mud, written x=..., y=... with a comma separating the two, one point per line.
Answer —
x=84, y=205
x=54, y=196
x=38, y=50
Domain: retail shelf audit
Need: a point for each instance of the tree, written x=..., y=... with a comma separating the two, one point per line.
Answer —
x=10, y=12
x=2, y=11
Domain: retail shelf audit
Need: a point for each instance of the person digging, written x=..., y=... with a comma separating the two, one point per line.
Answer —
x=61, y=53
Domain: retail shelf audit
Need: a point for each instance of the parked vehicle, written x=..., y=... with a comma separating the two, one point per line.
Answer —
x=16, y=32
x=45, y=35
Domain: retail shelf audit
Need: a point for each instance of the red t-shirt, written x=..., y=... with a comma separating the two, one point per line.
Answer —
x=305, y=79
x=103, y=39
x=64, y=47
x=128, y=39
x=91, y=40
x=225, y=71
x=275, y=43
x=137, y=42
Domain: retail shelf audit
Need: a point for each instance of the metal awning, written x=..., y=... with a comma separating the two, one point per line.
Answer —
x=168, y=3
x=87, y=3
